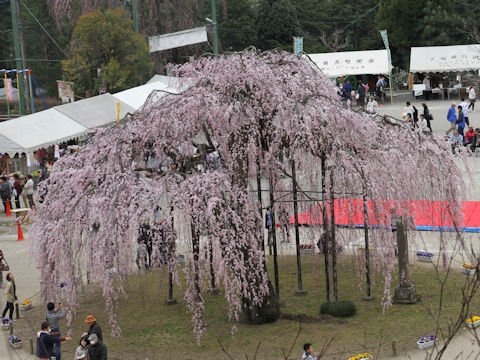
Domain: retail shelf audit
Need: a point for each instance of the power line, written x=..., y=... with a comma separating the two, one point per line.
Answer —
x=353, y=22
x=44, y=60
x=45, y=30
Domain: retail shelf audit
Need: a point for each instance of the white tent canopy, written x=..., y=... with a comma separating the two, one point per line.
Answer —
x=445, y=58
x=352, y=62
x=64, y=122
x=178, y=39
x=96, y=111
x=137, y=96
x=42, y=129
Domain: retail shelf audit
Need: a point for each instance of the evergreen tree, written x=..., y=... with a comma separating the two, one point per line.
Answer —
x=276, y=24
x=236, y=19
x=442, y=24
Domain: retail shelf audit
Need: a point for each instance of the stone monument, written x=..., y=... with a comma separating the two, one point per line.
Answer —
x=405, y=293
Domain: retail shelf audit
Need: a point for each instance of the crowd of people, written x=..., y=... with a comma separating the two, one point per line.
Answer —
x=49, y=339
x=458, y=119
x=15, y=189
x=349, y=95
x=415, y=120
x=91, y=346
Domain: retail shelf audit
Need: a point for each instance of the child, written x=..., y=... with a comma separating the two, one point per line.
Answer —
x=82, y=349
x=308, y=352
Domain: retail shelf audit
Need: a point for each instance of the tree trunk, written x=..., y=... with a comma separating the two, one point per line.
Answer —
x=325, y=229
x=297, y=234
x=274, y=238
x=332, y=235
x=260, y=202
x=367, y=245
x=196, y=258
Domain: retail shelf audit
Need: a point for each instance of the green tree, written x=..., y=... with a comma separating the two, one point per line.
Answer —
x=442, y=24
x=106, y=41
x=236, y=19
x=276, y=24
x=403, y=19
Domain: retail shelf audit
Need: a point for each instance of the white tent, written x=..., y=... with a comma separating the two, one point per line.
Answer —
x=64, y=122
x=35, y=131
x=445, y=58
x=352, y=62
x=178, y=39
x=137, y=96
x=96, y=111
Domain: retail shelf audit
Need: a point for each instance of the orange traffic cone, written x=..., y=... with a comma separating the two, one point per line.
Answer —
x=8, y=212
x=20, y=233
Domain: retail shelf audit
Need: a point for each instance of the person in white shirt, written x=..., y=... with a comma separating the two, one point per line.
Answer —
x=29, y=185
x=422, y=124
x=409, y=110
x=464, y=106
x=372, y=105
x=471, y=97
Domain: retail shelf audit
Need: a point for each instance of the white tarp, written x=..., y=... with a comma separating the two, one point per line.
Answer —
x=178, y=39
x=352, y=62
x=137, y=96
x=32, y=132
x=4, y=97
x=96, y=111
x=445, y=58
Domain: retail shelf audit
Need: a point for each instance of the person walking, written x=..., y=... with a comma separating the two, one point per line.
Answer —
x=5, y=191
x=347, y=87
x=460, y=121
x=45, y=342
x=464, y=106
x=452, y=119
x=97, y=349
x=428, y=116
x=361, y=94
x=52, y=317
x=29, y=187
x=3, y=266
x=82, y=349
x=18, y=190
x=471, y=96
x=94, y=327
x=24, y=192
x=10, y=295
x=426, y=82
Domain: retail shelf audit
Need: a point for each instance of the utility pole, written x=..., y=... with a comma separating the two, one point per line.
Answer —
x=215, y=27
x=24, y=63
x=134, y=13
x=18, y=57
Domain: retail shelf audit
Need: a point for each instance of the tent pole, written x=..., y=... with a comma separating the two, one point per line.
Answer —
x=6, y=94
x=391, y=87
x=31, y=92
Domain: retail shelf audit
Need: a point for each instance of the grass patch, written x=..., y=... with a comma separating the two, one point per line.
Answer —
x=152, y=329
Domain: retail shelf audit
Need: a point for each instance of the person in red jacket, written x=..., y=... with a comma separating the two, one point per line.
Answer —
x=470, y=135
x=18, y=189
